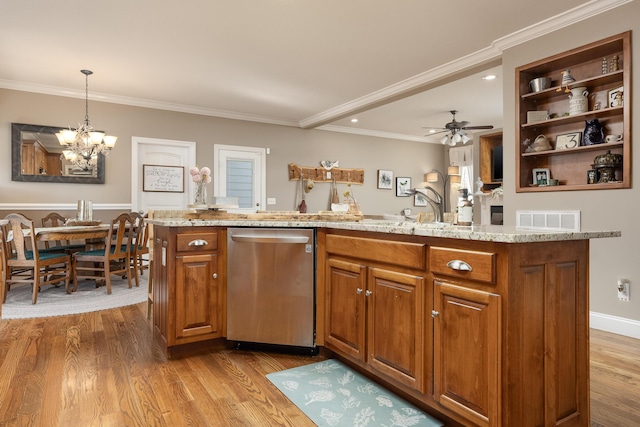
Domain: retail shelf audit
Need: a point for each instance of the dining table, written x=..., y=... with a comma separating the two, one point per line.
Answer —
x=92, y=234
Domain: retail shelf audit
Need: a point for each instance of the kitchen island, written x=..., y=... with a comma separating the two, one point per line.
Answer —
x=482, y=326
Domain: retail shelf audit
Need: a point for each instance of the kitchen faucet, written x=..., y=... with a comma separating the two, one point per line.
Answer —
x=437, y=203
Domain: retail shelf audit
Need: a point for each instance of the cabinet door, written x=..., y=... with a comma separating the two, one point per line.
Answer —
x=197, y=308
x=395, y=325
x=466, y=352
x=345, y=308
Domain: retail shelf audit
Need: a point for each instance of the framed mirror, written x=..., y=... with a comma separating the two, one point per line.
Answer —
x=36, y=156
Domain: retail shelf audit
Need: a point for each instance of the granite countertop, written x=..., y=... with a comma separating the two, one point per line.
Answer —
x=493, y=233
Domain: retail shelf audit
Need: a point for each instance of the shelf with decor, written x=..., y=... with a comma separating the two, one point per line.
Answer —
x=568, y=101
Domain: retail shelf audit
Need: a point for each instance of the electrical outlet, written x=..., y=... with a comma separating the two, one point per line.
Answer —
x=271, y=200
x=623, y=289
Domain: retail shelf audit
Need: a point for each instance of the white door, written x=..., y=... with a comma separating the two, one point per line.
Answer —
x=160, y=152
x=241, y=172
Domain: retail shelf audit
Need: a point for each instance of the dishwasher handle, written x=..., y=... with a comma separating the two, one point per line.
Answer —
x=250, y=238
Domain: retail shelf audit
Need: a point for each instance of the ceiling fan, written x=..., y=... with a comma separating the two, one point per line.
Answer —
x=457, y=130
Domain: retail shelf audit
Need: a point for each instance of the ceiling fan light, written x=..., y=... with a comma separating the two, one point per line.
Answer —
x=456, y=138
x=465, y=139
x=443, y=140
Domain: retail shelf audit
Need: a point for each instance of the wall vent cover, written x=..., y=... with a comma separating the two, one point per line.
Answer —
x=548, y=220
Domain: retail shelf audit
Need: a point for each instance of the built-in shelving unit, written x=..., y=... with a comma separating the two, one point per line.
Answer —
x=587, y=65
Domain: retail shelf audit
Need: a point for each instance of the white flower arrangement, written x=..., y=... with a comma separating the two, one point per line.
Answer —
x=202, y=175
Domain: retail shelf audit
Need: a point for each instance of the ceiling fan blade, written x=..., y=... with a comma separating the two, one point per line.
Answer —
x=477, y=127
x=437, y=132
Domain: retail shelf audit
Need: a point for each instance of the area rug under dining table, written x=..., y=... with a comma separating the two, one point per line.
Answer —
x=54, y=301
x=332, y=394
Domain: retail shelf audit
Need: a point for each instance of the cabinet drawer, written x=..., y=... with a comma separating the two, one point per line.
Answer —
x=195, y=242
x=464, y=264
x=405, y=254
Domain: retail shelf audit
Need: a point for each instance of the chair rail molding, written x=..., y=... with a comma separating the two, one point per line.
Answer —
x=63, y=206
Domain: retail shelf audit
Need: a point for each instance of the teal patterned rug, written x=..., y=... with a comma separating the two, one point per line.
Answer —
x=332, y=394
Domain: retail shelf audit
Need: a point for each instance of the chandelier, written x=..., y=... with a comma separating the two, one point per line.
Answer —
x=82, y=146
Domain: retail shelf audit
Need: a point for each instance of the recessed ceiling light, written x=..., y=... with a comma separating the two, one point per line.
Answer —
x=489, y=77
x=432, y=131
x=354, y=120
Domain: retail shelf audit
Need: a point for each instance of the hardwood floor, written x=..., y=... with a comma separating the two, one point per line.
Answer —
x=103, y=369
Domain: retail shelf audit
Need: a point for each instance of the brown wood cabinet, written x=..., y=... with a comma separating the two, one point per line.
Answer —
x=487, y=143
x=188, y=287
x=603, y=68
x=466, y=334
x=375, y=312
x=503, y=327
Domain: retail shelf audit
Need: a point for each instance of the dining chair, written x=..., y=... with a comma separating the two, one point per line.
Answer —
x=54, y=219
x=25, y=263
x=113, y=259
x=140, y=246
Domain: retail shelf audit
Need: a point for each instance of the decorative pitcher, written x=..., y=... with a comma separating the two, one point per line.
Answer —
x=593, y=132
x=578, y=100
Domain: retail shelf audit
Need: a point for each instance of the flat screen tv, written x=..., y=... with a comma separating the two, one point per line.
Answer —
x=496, y=164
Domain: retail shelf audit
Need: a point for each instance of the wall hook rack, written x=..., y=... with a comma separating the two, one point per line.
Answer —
x=320, y=174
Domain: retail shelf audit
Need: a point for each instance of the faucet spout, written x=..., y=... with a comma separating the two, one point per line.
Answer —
x=436, y=202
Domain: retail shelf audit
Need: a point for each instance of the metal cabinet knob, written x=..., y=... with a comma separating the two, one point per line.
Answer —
x=198, y=242
x=215, y=275
x=358, y=291
x=434, y=314
x=368, y=293
x=459, y=265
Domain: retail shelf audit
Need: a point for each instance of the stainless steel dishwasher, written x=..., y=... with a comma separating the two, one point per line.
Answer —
x=271, y=286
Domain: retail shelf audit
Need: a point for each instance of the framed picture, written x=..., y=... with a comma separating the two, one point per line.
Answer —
x=568, y=140
x=541, y=176
x=402, y=184
x=615, y=97
x=385, y=179
x=163, y=179
x=419, y=200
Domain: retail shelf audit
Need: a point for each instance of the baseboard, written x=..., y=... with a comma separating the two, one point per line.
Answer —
x=614, y=324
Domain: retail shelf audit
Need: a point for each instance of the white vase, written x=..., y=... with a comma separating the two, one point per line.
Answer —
x=578, y=100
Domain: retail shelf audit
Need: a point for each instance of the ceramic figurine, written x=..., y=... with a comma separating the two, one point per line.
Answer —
x=614, y=64
x=593, y=133
x=567, y=78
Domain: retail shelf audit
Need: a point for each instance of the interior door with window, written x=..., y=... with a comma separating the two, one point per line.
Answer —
x=240, y=172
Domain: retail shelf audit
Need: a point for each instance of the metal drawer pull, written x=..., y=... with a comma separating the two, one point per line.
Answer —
x=459, y=265
x=198, y=242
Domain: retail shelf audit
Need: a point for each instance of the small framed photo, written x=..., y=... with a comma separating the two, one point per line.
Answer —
x=385, y=179
x=541, y=176
x=402, y=184
x=568, y=140
x=419, y=200
x=614, y=97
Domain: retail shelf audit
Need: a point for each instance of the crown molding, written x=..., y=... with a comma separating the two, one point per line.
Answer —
x=374, y=99
x=144, y=103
